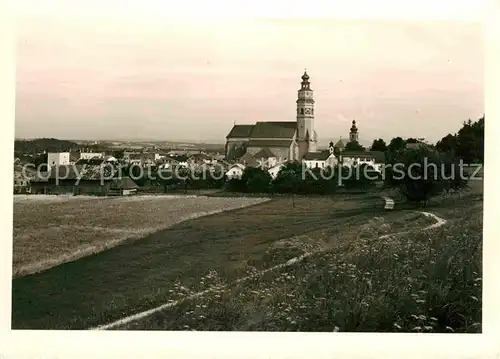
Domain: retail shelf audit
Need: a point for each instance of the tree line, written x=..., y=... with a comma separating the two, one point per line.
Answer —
x=467, y=144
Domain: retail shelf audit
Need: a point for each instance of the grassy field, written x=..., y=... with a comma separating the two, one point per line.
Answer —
x=50, y=230
x=353, y=280
x=418, y=282
x=139, y=275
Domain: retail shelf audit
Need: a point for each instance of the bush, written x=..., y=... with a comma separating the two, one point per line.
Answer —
x=256, y=180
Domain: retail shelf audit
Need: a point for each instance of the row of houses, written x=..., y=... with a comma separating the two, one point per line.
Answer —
x=163, y=160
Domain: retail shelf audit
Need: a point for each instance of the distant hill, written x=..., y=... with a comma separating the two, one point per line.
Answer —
x=44, y=144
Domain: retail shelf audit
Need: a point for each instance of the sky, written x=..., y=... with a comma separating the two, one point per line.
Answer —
x=134, y=76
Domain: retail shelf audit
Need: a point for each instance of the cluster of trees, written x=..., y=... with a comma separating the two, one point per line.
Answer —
x=467, y=144
x=294, y=178
x=422, y=173
x=40, y=145
x=178, y=179
x=396, y=144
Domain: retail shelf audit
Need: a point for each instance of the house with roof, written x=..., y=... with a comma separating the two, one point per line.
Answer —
x=248, y=160
x=287, y=140
x=166, y=162
x=418, y=144
x=92, y=161
x=375, y=159
x=320, y=159
x=267, y=158
x=235, y=171
x=139, y=159
x=90, y=155
x=201, y=158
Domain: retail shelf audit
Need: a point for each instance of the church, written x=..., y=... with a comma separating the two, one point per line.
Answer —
x=285, y=141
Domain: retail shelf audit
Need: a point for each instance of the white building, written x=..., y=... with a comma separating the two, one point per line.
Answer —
x=235, y=171
x=321, y=159
x=357, y=158
x=89, y=155
x=58, y=159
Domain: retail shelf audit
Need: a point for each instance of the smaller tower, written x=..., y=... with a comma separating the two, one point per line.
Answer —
x=331, y=147
x=353, y=135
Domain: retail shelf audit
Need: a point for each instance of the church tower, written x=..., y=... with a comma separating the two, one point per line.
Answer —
x=306, y=136
x=353, y=135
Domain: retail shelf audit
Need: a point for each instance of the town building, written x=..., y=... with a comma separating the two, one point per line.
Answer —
x=235, y=171
x=320, y=159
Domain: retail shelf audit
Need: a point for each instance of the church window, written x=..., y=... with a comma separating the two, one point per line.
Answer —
x=317, y=165
x=301, y=111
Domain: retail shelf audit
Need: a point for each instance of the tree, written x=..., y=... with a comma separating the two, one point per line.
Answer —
x=289, y=178
x=318, y=181
x=362, y=176
x=378, y=145
x=412, y=140
x=447, y=144
x=354, y=146
x=119, y=154
x=420, y=174
x=470, y=141
x=256, y=180
x=467, y=144
x=396, y=144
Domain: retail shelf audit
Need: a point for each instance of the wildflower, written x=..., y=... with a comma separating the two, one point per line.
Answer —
x=397, y=326
x=449, y=328
x=477, y=279
x=417, y=328
x=427, y=327
x=434, y=319
x=336, y=329
x=420, y=301
x=422, y=317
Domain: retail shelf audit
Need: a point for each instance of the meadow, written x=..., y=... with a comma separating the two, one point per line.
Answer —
x=337, y=263
x=50, y=230
x=422, y=281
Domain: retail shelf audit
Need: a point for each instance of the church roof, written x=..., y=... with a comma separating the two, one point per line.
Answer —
x=317, y=156
x=269, y=143
x=264, y=153
x=240, y=131
x=274, y=129
x=341, y=143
